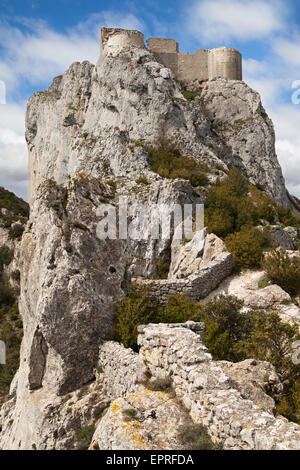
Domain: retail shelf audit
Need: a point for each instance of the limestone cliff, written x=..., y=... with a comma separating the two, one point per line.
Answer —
x=88, y=136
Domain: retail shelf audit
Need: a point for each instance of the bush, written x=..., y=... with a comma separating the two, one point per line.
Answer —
x=247, y=246
x=83, y=437
x=11, y=202
x=195, y=437
x=283, y=270
x=6, y=256
x=225, y=326
x=191, y=95
x=161, y=269
x=142, y=180
x=179, y=309
x=233, y=203
x=287, y=218
x=16, y=231
x=136, y=309
x=160, y=384
x=270, y=339
x=129, y=414
x=168, y=162
x=6, y=294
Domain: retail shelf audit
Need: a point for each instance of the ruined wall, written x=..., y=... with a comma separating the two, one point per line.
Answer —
x=209, y=395
x=116, y=37
x=195, y=287
x=203, y=65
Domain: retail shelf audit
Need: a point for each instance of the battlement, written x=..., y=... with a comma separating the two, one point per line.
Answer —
x=205, y=64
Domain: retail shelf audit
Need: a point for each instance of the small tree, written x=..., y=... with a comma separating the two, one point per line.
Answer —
x=283, y=270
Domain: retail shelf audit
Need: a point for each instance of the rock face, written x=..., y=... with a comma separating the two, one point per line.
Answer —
x=87, y=137
x=253, y=378
x=203, y=251
x=247, y=287
x=154, y=426
x=229, y=399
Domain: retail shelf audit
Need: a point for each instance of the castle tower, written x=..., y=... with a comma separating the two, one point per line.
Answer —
x=112, y=38
x=225, y=63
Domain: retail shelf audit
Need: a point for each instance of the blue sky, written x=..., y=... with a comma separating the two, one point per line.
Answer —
x=40, y=39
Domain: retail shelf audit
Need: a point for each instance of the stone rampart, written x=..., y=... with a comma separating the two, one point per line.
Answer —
x=206, y=391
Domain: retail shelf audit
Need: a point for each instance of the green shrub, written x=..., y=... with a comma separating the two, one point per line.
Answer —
x=168, y=162
x=16, y=231
x=247, y=246
x=283, y=270
x=6, y=256
x=233, y=203
x=179, y=309
x=287, y=218
x=161, y=269
x=136, y=309
x=142, y=180
x=129, y=414
x=7, y=296
x=225, y=326
x=191, y=95
x=11, y=333
x=11, y=202
x=83, y=437
x=195, y=437
x=160, y=384
x=270, y=339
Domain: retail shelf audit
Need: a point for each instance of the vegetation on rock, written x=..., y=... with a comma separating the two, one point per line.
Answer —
x=283, y=270
x=168, y=162
x=230, y=334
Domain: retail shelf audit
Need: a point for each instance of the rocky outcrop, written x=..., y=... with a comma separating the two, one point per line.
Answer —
x=87, y=137
x=286, y=237
x=253, y=379
x=229, y=399
x=142, y=421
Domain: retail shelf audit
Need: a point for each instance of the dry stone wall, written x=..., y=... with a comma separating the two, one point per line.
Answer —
x=206, y=391
x=195, y=287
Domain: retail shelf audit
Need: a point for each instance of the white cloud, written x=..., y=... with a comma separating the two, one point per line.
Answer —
x=37, y=53
x=34, y=54
x=13, y=150
x=288, y=49
x=287, y=123
x=223, y=20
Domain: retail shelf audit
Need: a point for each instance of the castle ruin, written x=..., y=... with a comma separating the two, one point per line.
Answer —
x=205, y=64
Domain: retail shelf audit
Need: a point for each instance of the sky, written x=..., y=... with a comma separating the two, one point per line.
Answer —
x=39, y=39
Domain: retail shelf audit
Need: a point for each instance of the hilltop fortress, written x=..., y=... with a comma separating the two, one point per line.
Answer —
x=205, y=64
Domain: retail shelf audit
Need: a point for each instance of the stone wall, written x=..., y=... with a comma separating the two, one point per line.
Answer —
x=206, y=391
x=122, y=369
x=203, y=65
x=116, y=37
x=209, y=394
x=195, y=287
